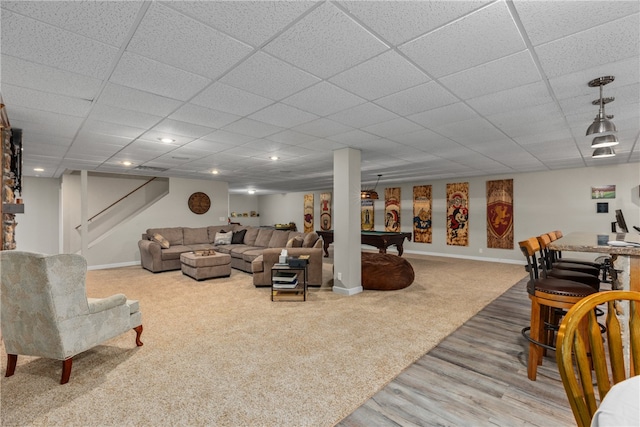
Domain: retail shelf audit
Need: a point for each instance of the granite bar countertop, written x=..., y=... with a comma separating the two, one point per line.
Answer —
x=593, y=242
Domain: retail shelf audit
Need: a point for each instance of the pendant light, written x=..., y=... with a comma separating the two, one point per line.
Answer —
x=602, y=152
x=370, y=194
x=601, y=125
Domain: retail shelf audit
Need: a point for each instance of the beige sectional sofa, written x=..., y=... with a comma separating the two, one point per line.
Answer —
x=254, y=250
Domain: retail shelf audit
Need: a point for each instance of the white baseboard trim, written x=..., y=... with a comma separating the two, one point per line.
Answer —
x=347, y=291
x=120, y=264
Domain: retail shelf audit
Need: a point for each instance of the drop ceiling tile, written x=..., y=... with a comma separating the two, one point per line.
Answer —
x=611, y=42
x=325, y=42
x=479, y=37
x=545, y=21
x=572, y=85
x=170, y=37
x=545, y=137
x=253, y=22
x=175, y=127
x=227, y=137
x=394, y=127
x=398, y=22
x=44, y=122
x=47, y=150
x=38, y=42
x=98, y=139
x=98, y=126
x=137, y=100
x=252, y=128
x=110, y=114
x=267, y=76
x=380, y=76
x=323, y=99
x=443, y=115
x=151, y=76
x=156, y=137
x=512, y=99
x=417, y=99
x=195, y=114
x=355, y=137
x=38, y=100
x=283, y=116
x=470, y=132
x=207, y=145
x=495, y=76
x=421, y=139
x=363, y=115
x=322, y=128
x=226, y=98
x=291, y=137
x=108, y=22
x=41, y=77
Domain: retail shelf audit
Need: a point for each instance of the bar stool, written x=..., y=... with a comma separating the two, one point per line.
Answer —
x=568, y=271
x=546, y=294
x=602, y=263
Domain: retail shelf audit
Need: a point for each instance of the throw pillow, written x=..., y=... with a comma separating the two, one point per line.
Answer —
x=238, y=236
x=223, y=238
x=297, y=241
x=309, y=240
x=164, y=243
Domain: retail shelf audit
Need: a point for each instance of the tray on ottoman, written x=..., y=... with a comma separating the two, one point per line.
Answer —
x=209, y=266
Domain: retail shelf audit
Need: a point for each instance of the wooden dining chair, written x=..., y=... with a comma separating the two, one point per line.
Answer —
x=573, y=349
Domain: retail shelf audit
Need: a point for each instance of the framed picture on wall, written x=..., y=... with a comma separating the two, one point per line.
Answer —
x=602, y=207
x=603, y=192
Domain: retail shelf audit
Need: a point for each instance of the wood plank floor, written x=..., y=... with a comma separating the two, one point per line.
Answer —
x=477, y=376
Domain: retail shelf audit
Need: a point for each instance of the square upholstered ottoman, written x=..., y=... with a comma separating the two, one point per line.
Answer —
x=202, y=267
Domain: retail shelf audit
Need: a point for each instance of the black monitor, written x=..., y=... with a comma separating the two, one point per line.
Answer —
x=622, y=225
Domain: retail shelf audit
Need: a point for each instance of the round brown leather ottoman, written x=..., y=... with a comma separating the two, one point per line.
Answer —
x=385, y=272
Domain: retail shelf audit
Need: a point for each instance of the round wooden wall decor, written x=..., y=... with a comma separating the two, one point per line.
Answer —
x=199, y=203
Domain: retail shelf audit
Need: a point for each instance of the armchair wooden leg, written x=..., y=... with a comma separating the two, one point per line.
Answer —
x=12, y=359
x=66, y=370
x=138, y=330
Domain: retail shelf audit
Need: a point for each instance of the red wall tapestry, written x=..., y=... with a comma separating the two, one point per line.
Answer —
x=500, y=214
x=458, y=214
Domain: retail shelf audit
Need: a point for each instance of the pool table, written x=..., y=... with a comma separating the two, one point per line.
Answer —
x=380, y=239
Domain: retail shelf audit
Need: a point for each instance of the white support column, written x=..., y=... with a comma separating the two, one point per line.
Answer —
x=347, y=275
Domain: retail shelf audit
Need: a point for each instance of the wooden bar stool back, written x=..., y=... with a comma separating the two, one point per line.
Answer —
x=567, y=271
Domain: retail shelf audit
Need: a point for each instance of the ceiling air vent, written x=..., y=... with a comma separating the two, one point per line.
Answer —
x=151, y=168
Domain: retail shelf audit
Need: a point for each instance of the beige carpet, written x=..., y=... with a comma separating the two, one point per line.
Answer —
x=220, y=353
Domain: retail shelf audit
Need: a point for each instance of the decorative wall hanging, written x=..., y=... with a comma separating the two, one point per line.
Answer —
x=392, y=209
x=308, y=213
x=500, y=214
x=422, y=214
x=366, y=215
x=602, y=207
x=458, y=214
x=325, y=211
x=603, y=192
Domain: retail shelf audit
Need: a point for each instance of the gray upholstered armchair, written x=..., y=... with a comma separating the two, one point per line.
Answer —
x=45, y=310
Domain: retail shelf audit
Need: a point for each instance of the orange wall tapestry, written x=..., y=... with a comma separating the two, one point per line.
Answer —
x=422, y=214
x=458, y=214
x=325, y=211
x=366, y=215
x=500, y=214
x=392, y=209
x=308, y=213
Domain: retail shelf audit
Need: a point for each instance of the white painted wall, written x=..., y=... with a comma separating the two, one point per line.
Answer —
x=245, y=203
x=38, y=228
x=543, y=201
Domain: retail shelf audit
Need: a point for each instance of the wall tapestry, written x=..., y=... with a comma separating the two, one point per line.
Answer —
x=422, y=214
x=458, y=214
x=500, y=214
x=366, y=215
x=325, y=211
x=392, y=209
x=308, y=213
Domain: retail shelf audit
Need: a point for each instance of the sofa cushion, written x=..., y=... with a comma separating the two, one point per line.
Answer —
x=251, y=254
x=213, y=229
x=295, y=242
x=264, y=235
x=194, y=236
x=201, y=247
x=310, y=239
x=172, y=234
x=278, y=239
x=223, y=238
x=173, y=252
x=250, y=236
x=159, y=238
x=238, y=236
x=238, y=250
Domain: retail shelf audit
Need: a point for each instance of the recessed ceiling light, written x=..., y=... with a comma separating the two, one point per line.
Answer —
x=215, y=172
x=274, y=157
x=252, y=191
x=127, y=163
x=167, y=140
x=38, y=169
